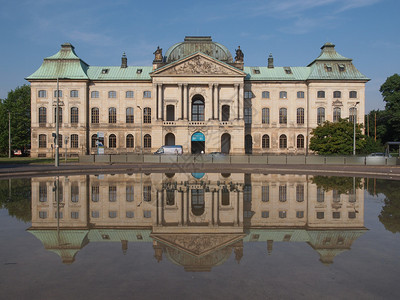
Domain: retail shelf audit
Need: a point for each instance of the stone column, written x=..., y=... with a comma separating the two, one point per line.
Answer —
x=155, y=88
x=185, y=102
x=213, y=101
x=159, y=101
x=241, y=101
x=180, y=100
x=216, y=101
x=236, y=104
x=209, y=109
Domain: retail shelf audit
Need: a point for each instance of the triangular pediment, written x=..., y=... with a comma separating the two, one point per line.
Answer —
x=198, y=244
x=198, y=64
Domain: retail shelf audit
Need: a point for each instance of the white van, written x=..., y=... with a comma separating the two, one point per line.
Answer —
x=176, y=150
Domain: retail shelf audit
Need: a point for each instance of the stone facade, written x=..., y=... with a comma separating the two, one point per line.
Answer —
x=195, y=88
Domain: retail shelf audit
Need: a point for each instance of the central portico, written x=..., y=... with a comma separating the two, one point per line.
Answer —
x=198, y=99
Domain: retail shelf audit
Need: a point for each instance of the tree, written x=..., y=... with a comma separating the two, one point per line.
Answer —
x=390, y=91
x=336, y=138
x=344, y=185
x=18, y=103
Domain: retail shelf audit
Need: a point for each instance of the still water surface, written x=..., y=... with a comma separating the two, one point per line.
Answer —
x=199, y=236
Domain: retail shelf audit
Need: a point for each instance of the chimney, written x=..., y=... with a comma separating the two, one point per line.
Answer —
x=124, y=61
x=270, y=61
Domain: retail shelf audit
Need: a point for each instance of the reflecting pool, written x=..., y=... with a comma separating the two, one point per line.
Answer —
x=199, y=235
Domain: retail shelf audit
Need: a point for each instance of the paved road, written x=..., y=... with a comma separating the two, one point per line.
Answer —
x=22, y=170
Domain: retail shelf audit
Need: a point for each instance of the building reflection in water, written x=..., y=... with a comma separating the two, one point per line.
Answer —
x=195, y=220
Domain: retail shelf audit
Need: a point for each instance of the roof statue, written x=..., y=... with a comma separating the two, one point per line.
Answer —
x=239, y=55
x=158, y=54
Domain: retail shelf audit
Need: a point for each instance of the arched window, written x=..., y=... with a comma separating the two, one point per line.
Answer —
x=320, y=115
x=337, y=94
x=147, y=115
x=112, y=115
x=352, y=94
x=300, y=116
x=336, y=114
x=42, y=116
x=95, y=115
x=59, y=115
x=225, y=196
x=282, y=116
x=74, y=94
x=265, y=116
x=300, y=94
x=321, y=94
x=94, y=94
x=147, y=141
x=265, y=141
x=129, y=115
x=74, y=115
x=112, y=141
x=283, y=94
x=225, y=112
x=352, y=114
x=94, y=140
x=282, y=141
x=198, y=108
x=129, y=141
x=42, y=141
x=170, y=112
x=300, y=141
x=112, y=94
x=74, y=141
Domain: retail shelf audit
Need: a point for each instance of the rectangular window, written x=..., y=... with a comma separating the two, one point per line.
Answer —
x=130, y=214
x=342, y=67
x=320, y=215
x=95, y=193
x=247, y=115
x=42, y=192
x=300, y=193
x=299, y=214
x=74, y=94
x=43, y=214
x=74, y=192
x=129, y=94
x=112, y=94
x=129, y=193
x=74, y=214
x=147, y=94
x=95, y=214
x=282, y=214
x=265, y=116
x=352, y=215
x=265, y=193
x=320, y=195
x=112, y=214
x=59, y=93
x=336, y=214
x=283, y=95
x=147, y=213
x=112, y=193
x=321, y=94
x=42, y=94
x=94, y=94
x=265, y=214
x=248, y=94
x=300, y=94
x=56, y=215
x=282, y=193
x=265, y=95
x=147, y=193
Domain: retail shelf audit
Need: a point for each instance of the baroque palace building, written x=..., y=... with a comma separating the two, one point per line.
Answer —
x=196, y=95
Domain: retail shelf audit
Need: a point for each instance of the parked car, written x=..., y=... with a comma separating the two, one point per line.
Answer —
x=379, y=154
x=176, y=149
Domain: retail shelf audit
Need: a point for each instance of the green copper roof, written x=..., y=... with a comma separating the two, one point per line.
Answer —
x=118, y=73
x=277, y=73
x=64, y=64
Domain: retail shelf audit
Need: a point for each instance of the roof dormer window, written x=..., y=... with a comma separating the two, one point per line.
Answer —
x=139, y=71
x=287, y=70
x=256, y=71
x=104, y=71
x=342, y=67
x=328, y=68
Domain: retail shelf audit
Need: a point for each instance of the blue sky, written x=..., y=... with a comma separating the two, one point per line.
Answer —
x=292, y=30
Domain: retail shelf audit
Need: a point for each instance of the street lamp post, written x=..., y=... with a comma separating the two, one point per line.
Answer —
x=141, y=130
x=354, y=126
x=57, y=158
x=66, y=145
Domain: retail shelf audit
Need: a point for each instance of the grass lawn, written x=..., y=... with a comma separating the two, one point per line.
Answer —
x=30, y=160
